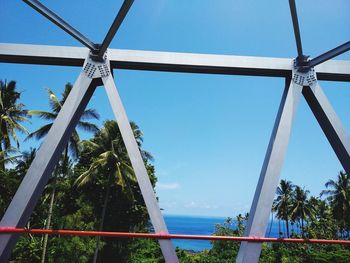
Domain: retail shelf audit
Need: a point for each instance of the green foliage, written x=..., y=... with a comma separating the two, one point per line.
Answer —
x=27, y=249
x=105, y=155
x=12, y=114
x=77, y=249
x=338, y=195
x=292, y=203
x=339, y=255
x=56, y=105
x=282, y=205
x=9, y=182
x=144, y=251
x=227, y=250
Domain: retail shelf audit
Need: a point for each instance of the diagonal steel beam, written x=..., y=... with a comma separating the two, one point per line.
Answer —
x=293, y=11
x=330, y=124
x=32, y=185
x=338, y=70
x=329, y=54
x=139, y=168
x=61, y=23
x=265, y=191
x=115, y=26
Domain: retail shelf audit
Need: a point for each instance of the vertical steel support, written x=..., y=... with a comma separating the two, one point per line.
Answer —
x=264, y=194
x=139, y=168
x=30, y=190
x=330, y=123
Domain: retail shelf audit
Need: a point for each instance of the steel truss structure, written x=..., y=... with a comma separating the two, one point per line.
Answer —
x=97, y=63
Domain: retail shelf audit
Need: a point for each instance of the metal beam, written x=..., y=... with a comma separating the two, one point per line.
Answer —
x=61, y=23
x=139, y=169
x=265, y=191
x=115, y=26
x=335, y=70
x=293, y=11
x=329, y=54
x=32, y=185
x=330, y=124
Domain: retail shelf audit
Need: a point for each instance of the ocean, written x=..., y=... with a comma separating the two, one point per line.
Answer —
x=195, y=225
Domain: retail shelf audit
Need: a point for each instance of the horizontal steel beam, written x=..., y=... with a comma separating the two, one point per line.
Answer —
x=337, y=70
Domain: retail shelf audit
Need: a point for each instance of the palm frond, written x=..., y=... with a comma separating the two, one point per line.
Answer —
x=67, y=89
x=53, y=101
x=43, y=114
x=90, y=114
x=73, y=144
x=40, y=133
x=87, y=126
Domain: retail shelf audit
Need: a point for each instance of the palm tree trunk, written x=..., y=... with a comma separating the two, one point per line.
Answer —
x=63, y=170
x=65, y=161
x=102, y=218
x=287, y=226
x=2, y=162
x=48, y=223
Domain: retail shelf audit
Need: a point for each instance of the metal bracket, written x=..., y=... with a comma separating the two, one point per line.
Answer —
x=302, y=63
x=302, y=78
x=96, y=69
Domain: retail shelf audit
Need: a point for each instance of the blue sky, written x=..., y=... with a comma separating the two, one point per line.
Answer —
x=208, y=133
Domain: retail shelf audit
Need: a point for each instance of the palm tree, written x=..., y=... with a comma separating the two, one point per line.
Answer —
x=71, y=148
x=110, y=160
x=23, y=163
x=12, y=114
x=339, y=198
x=6, y=156
x=56, y=105
x=282, y=203
x=301, y=209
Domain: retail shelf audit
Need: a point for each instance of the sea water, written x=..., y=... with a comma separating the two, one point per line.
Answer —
x=195, y=225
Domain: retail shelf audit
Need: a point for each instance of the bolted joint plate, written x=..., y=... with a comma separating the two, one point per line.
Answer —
x=307, y=78
x=96, y=69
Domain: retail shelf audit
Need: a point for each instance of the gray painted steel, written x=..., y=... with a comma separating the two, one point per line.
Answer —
x=265, y=191
x=330, y=54
x=330, y=124
x=115, y=26
x=293, y=11
x=170, y=61
x=30, y=190
x=61, y=23
x=139, y=168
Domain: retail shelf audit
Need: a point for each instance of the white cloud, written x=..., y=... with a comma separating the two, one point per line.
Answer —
x=169, y=186
x=193, y=204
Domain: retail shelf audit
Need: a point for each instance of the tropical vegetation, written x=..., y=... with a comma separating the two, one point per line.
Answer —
x=12, y=115
x=71, y=150
x=93, y=187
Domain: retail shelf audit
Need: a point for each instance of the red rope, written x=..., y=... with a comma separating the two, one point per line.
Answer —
x=9, y=230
